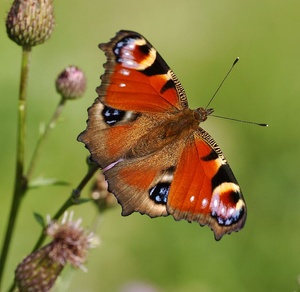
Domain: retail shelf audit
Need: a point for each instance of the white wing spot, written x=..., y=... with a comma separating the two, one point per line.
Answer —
x=124, y=72
x=204, y=203
x=215, y=203
x=129, y=63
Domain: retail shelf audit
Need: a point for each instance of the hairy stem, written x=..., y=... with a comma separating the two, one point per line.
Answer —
x=72, y=200
x=43, y=136
x=20, y=186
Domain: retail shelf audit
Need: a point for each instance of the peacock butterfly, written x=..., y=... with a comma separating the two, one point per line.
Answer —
x=148, y=143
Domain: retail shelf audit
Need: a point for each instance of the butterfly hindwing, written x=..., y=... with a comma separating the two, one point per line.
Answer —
x=137, y=182
x=204, y=188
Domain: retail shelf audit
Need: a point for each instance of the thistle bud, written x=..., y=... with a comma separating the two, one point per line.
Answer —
x=101, y=196
x=70, y=244
x=30, y=22
x=71, y=83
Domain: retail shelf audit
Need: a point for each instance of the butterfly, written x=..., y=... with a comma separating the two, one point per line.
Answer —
x=148, y=143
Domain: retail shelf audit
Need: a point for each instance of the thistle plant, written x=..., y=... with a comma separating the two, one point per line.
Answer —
x=103, y=199
x=70, y=244
x=30, y=23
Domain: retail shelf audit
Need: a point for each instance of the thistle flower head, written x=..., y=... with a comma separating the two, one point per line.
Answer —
x=71, y=83
x=70, y=241
x=70, y=244
x=30, y=22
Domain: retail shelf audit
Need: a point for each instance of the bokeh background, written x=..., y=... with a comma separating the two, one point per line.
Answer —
x=199, y=40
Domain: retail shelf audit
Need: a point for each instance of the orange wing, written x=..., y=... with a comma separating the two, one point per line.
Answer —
x=136, y=77
x=204, y=188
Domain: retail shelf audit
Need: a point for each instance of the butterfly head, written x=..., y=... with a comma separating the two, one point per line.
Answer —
x=202, y=113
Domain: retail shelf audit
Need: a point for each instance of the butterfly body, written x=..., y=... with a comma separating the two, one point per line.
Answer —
x=155, y=157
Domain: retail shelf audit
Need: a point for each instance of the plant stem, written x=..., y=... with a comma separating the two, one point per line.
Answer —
x=43, y=136
x=20, y=186
x=72, y=200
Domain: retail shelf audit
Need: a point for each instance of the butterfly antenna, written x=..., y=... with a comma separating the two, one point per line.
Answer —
x=241, y=121
x=235, y=61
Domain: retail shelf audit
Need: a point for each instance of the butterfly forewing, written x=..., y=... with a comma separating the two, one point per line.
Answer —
x=136, y=77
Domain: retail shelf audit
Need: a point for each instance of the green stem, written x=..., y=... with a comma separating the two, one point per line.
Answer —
x=72, y=200
x=20, y=186
x=43, y=136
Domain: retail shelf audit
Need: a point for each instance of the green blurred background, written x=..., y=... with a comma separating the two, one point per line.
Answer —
x=199, y=40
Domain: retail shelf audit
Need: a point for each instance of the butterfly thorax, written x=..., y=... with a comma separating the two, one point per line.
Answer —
x=177, y=126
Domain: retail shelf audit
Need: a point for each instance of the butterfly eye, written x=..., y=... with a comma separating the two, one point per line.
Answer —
x=159, y=193
x=112, y=116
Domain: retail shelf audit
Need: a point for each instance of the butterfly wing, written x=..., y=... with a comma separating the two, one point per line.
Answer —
x=142, y=184
x=137, y=78
x=204, y=188
x=132, y=135
x=138, y=91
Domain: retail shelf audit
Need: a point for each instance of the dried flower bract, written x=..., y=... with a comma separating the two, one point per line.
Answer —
x=70, y=244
